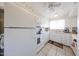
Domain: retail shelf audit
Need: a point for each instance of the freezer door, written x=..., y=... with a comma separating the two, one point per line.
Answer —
x=16, y=16
x=19, y=42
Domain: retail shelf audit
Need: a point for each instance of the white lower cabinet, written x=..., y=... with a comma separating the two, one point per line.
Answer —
x=61, y=37
x=44, y=37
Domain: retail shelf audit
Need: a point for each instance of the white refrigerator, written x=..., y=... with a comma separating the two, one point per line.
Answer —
x=19, y=31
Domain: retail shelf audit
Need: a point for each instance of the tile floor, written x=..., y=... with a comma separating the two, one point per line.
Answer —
x=52, y=50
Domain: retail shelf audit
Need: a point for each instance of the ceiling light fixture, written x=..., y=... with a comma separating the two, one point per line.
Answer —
x=55, y=15
x=53, y=5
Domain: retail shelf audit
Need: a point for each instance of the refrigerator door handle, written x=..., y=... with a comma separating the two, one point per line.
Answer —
x=20, y=27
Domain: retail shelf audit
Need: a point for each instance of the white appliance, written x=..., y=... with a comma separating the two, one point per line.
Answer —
x=20, y=31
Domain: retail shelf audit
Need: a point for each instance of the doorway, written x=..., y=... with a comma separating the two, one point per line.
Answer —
x=1, y=32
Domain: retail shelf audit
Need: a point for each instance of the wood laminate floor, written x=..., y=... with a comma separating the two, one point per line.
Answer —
x=53, y=50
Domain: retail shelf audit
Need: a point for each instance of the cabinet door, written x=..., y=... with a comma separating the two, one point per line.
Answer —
x=60, y=37
x=66, y=40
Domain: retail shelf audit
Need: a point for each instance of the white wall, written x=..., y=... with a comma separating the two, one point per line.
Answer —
x=78, y=38
x=71, y=22
x=78, y=32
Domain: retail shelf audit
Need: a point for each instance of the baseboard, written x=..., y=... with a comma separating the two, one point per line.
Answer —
x=73, y=52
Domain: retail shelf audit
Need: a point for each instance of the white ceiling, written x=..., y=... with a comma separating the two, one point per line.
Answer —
x=66, y=9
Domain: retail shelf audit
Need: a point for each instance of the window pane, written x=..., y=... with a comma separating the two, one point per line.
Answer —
x=57, y=24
